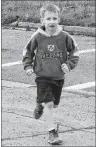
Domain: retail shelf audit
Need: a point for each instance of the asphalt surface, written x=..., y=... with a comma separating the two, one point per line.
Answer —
x=13, y=42
x=75, y=114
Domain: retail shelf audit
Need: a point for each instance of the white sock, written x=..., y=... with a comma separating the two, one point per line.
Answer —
x=48, y=113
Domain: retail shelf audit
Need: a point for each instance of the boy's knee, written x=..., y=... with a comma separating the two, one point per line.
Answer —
x=49, y=105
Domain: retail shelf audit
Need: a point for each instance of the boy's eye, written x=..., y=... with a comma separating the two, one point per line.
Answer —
x=55, y=18
x=48, y=18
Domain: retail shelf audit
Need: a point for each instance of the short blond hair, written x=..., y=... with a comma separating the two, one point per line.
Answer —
x=50, y=8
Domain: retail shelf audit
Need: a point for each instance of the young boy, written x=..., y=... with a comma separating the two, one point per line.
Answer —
x=50, y=54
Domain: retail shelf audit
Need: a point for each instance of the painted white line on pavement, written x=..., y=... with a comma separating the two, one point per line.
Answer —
x=14, y=84
x=81, y=86
x=20, y=62
x=22, y=85
x=86, y=51
x=11, y=63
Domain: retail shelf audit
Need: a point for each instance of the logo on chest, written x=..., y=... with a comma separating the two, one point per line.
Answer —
x=50, y=47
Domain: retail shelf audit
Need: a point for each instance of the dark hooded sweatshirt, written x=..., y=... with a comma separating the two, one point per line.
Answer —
x=46, y=53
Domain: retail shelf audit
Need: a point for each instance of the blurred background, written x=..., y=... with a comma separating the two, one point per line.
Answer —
x=73, y=13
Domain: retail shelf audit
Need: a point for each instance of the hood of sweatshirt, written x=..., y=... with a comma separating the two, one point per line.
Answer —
x=42, y=31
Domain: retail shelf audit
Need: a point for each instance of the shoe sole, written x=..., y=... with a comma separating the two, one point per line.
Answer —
x=55, y=142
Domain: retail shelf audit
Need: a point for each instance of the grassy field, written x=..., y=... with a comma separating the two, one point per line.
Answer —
x=79, y=13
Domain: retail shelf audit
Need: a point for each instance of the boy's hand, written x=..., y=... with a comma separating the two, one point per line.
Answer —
x=65, y=68
x=29, y=72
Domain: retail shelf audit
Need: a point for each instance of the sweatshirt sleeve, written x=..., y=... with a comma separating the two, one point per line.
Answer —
x=28, y=52
x=73, y=52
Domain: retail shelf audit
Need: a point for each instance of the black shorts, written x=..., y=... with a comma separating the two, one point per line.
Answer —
x=48, y=91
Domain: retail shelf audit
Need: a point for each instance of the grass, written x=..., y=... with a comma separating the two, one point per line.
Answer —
x=80, y=13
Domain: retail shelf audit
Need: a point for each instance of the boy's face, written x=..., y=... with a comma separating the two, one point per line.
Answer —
x=50, y=21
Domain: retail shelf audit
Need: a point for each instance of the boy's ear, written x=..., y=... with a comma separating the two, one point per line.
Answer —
x=41, y=20
x=58, y=20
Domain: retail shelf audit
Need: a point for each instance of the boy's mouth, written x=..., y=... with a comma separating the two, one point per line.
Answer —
x=52, y=27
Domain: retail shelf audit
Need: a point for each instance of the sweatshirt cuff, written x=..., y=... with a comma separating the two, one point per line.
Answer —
x=68, y=65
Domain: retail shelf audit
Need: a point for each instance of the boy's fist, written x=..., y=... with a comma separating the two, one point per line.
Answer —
x=65, y=68
x=29, y=72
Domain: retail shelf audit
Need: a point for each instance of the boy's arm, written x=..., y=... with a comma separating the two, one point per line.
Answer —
x=73, y=53
x=28, y=53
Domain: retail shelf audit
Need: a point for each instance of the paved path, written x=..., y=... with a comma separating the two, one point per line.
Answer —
x=75, y=115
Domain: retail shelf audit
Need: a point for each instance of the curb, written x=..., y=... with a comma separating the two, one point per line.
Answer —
x=87, y=31
x=80, y=30
x=74, y=30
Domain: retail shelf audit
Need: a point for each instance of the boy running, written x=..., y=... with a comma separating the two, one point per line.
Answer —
x=50, y=54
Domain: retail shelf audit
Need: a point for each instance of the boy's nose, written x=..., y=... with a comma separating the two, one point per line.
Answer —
x=52, y=21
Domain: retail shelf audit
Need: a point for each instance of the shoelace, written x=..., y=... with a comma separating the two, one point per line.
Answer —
x=57, y=130
x=40, y=109
x=57, y=127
